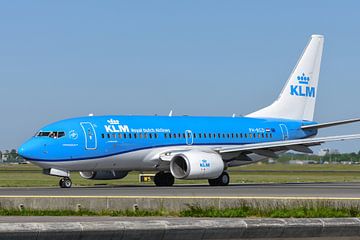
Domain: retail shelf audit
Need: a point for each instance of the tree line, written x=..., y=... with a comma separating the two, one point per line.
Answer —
x=9, y=156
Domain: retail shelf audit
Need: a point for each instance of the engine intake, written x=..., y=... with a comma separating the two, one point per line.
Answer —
x=196, y=165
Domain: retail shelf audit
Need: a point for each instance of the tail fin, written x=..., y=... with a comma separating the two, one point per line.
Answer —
x=297, y=99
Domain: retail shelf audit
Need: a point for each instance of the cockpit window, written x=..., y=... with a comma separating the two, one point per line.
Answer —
x=43, y=134
x=50, y=134
x=61, y=134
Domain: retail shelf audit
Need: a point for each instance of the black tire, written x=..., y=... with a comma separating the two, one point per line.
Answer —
x=163, y=179
x=65, y=183
x=222, y=180
x=213, y=182
x=61, y=183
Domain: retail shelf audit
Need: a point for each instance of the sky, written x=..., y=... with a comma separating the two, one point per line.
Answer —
x=63, y=59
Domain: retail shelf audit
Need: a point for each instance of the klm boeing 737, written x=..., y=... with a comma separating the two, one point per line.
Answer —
x=184, y=147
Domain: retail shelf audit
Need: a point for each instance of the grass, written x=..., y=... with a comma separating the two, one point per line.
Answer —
x=196, y=211
x=29, y=175
x=276, y=212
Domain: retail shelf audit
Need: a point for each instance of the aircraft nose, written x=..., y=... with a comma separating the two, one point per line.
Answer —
x=25, y=150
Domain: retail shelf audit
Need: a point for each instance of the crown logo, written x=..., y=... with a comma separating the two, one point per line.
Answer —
x=113, y=122
x=303, y=79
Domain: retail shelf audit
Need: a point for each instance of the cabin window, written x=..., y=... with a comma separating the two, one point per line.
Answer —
x=135, y=135
x=114, y=135
x=219, y=135
x=194, y=135
x=245, y=135
x=199, y=135
x=102, y=135
x=209, y=135
x=108, y=135
x=155, y=135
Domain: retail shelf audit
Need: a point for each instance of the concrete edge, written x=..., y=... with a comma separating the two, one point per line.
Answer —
x=186, y=228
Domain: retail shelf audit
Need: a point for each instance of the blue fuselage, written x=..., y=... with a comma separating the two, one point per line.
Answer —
x=97, y=137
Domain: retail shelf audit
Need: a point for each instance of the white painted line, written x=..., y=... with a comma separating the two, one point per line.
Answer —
x=189, y=197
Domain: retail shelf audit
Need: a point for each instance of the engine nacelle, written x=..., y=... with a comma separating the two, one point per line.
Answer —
x=196, y=165
x=104, y=175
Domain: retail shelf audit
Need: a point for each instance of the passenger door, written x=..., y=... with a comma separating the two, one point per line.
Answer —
x=189, y=137
x=284, y=131
x=90, y=136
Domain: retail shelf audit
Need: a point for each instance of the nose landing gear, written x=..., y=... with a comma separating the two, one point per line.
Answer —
x=65, y=182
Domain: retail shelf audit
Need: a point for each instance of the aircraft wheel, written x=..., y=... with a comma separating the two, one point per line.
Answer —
x=65, y=182
x=222, y=180
x=164, y=179
x=61, y=182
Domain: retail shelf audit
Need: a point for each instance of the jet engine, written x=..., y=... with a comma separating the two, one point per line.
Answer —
x=196, y=165
x=104, y=175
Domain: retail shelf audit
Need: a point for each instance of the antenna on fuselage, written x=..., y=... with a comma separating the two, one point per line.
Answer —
x=234, y=115
x=170, y=113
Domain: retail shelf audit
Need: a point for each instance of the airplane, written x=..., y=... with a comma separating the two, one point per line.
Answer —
x=186, y=147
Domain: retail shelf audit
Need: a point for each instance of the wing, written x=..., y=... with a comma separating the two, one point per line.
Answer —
x=269, y=149
x=240, y=152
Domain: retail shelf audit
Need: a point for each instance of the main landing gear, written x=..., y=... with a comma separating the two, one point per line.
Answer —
x=65, y=182
x=162, y=179
x=222, y=180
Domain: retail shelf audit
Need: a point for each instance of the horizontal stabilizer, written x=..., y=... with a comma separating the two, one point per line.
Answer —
x=329, y=124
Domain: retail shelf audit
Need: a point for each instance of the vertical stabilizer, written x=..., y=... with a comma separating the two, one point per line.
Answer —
x=298, y=97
